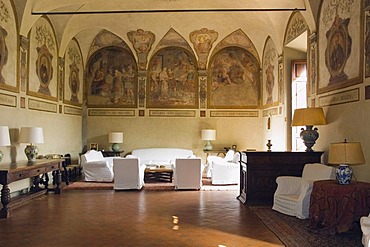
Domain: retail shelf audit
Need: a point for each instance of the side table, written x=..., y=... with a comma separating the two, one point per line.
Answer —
x=111, y=153
x=334, y=208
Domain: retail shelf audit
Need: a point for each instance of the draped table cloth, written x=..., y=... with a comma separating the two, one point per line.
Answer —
x=334, y=208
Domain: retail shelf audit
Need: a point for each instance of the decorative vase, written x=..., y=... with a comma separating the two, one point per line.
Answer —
x=344, y=174
x=31, y=152
x=115, y=147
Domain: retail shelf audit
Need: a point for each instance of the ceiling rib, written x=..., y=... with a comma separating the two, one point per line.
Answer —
x=164, y=11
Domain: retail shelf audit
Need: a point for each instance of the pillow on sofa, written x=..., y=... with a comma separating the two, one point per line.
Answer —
x=229, y=157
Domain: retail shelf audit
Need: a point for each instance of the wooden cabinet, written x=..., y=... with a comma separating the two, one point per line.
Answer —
x=258, y=174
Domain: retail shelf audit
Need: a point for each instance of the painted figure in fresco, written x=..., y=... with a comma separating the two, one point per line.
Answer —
x=128, y=81
x=98, y=81
x=44, y=69
x=3, y=53
x=338, y=50
x=74, y=82
x=108, y=83
x=337, y=55
x=117, y=90
x=270, y=82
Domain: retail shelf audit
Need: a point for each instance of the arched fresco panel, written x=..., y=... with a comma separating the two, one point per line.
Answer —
x=173, y=79
x=73, y=70
x=111, y=78
x=233, y=79
x=270, y=74
x=43, y=61
x=8, y=47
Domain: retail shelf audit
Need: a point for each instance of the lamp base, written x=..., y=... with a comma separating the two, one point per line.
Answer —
x=208, y=146
x=1, y=156
x=344, y=174
x=31, y=152
x=309, y=137
x=115, y=147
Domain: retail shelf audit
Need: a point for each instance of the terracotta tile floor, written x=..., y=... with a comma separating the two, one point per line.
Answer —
x=135, y=218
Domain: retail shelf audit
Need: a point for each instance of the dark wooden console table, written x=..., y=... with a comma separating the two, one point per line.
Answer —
x=23, y=169
x=258, y=175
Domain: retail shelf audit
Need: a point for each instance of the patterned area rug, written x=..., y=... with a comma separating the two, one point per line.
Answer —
x=293, y=232
x=207, y=186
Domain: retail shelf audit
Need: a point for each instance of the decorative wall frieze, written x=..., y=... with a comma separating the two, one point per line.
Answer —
x=142, y=42
x=234, y=113
x=203, y=40
x=111, y=112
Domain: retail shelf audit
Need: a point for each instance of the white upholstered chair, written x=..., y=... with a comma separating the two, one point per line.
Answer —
x=292, y=196
x=97, y=168
x=224, y=170
x=188, y=173
x=128, y=174
x=365, y=228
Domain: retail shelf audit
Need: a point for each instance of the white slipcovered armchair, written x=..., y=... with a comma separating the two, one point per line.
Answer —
x=292, y=196
x=224, y=170
x=128, y=174
x=97, y=168
x=365, y=228
x=188, y=173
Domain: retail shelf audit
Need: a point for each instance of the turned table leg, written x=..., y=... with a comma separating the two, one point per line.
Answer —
x=5, y=200
x=57, y=178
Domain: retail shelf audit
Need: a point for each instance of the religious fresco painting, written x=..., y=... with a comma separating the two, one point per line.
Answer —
x=173, y=79
x=8, y=48
x=270, y=87
x=233, y=79
x=73, y=83
x=340, y=45
x=43, y=61
x=111, y=78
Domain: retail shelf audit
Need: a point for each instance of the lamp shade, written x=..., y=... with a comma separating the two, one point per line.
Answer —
x=31, y=135
x=349, y=153
x=4, y=136
x=209, y=134
x=115, y=137
x=308, y=117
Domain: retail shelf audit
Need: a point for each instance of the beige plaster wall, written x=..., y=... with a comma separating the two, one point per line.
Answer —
x=348, y=121
x=62, y=134
x=145, y=132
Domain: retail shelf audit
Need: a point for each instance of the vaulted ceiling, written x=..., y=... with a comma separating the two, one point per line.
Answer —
x=83, y=19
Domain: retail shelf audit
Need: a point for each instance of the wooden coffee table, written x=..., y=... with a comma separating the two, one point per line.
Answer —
x=156, y=173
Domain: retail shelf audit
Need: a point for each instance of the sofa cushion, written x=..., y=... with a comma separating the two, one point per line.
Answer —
x=92, y=155
x=161, y=156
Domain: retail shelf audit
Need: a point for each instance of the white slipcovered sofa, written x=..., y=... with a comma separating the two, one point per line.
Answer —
x=161, y=156
x=224, y=170
x=97, y=168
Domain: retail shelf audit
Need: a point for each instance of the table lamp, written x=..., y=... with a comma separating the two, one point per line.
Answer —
x=309, y=117
x=208, y=135
x=115, y=138
x=32, y=135
x=345, y=154
x=4, y=139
